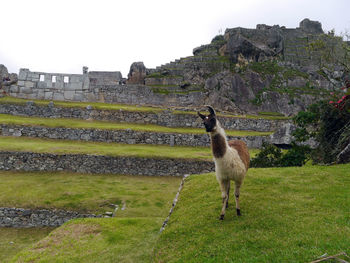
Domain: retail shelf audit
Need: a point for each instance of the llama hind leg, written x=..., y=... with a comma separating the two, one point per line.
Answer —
x=224, y=190
x=228, y=193
x=237, y=191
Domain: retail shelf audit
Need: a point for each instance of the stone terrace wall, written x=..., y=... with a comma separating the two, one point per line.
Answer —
x=97, y=164
x=122, y=136
x=164, y=118
x=20, y=217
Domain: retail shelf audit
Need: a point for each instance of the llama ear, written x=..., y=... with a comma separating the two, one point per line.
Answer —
x=201, y=115
x=211, y=110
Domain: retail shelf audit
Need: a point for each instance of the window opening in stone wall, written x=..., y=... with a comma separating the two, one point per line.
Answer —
x=66, y=79
x=53, y=79
x=42, y=77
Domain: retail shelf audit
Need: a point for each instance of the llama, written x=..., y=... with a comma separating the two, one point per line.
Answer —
x=231, y=159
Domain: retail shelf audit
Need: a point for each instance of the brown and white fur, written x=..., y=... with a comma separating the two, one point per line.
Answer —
x=231, y=159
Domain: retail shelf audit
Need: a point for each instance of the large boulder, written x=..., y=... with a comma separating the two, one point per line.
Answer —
x=137, y=73
x=283, y=135
x=6, y=79
x=3, y=72
x=311, y=27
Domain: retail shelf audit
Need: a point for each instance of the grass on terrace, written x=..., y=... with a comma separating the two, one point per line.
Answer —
x=13, y=240
x=143, y=196
x=147, y=201
x=289, y=215
x=133, y=108
x=95, y=105
x=25, y=144
x=104, y=125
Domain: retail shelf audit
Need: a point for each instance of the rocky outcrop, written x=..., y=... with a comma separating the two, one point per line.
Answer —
x=312, y=27
x=137, y=73
x=6, y=79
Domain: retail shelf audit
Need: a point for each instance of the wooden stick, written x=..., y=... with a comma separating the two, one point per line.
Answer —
x=330, y=257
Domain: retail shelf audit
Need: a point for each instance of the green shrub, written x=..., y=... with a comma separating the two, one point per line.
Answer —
x=272, y=156
x=269, y=156
x=329, y=124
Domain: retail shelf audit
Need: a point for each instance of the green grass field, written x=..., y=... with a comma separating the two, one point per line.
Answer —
x=289, y=215
x=143, y=196
x=104, y=125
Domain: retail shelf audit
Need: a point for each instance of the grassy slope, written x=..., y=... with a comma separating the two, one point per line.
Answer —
x=110, y=149
x=143, y=196
x=133, y=108
x=104, y=125
x=289, y=215
x=97, y=240
x=13, y=240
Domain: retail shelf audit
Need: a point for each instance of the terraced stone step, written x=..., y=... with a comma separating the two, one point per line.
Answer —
x=100, y=164
x=123, y=113
x=20, y=217
x=127, y=136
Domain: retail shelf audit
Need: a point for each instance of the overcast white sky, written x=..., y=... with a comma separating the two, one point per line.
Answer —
x=61, y=36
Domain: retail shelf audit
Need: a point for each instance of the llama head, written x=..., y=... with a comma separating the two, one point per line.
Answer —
x=210, y=120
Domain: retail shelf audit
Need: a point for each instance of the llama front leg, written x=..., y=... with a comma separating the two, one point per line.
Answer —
x=228, y=193
x=225, y=185
x=237, y=191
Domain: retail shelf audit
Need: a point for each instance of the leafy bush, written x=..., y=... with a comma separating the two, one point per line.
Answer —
x=272, y=156
x=329, y=124
x=269, y=156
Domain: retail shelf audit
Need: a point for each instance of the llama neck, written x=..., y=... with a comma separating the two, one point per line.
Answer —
x=219, y=143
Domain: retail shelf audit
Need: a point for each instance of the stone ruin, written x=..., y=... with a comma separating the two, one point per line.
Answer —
x=207, y=77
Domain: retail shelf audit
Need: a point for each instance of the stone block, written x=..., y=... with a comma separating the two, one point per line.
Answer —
x=78, y=97
x=20, y=83
x=48, y=95
x=41, y=85
x=58, y=96
x=69, y=95
x=29, y=84
x=23, y=74
x=58, y=85
x=41, y=95
x=26, y=90
x=73, y=86
x=14, y=89
x=76, y=79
